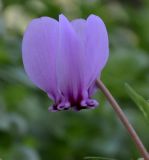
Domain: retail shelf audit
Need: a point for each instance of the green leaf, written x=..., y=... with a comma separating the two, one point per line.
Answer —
x=139, y=101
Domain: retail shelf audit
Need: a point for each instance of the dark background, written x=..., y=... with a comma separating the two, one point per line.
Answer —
x=28, y=131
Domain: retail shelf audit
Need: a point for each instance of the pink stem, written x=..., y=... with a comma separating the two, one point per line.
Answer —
x=124, y=120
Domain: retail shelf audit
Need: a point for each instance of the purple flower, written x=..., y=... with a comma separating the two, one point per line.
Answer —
x=65, y=58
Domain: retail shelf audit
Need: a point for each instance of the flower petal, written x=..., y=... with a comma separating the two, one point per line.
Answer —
x=39, y=48
x=93, y=35
x=79, y=26
x=97, y=49
x=70, y=60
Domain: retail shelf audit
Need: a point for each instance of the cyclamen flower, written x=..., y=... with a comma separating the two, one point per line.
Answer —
x=65, y=58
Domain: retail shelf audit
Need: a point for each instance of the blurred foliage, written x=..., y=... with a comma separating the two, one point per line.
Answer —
x=27, y=130
x=140, y=101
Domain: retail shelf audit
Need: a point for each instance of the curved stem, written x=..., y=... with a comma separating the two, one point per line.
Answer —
x=123, y=119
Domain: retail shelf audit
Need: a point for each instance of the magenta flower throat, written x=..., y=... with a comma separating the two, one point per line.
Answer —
x=65, y=58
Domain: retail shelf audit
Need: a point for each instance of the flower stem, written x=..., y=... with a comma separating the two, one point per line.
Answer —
x=124, y=120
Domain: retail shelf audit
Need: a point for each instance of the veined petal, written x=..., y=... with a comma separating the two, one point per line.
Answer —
x=97, y=47
x=40, y=47
x=70, y=60
x=93, y=34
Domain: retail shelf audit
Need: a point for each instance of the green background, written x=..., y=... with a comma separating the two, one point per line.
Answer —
x=28, y=131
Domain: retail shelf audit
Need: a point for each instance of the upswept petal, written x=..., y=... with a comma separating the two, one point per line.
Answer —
x=39, y=48
x=70, y=61
x=93, y=34
x=97, y=49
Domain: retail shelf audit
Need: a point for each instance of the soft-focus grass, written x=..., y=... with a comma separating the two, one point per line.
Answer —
x=28, y=131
